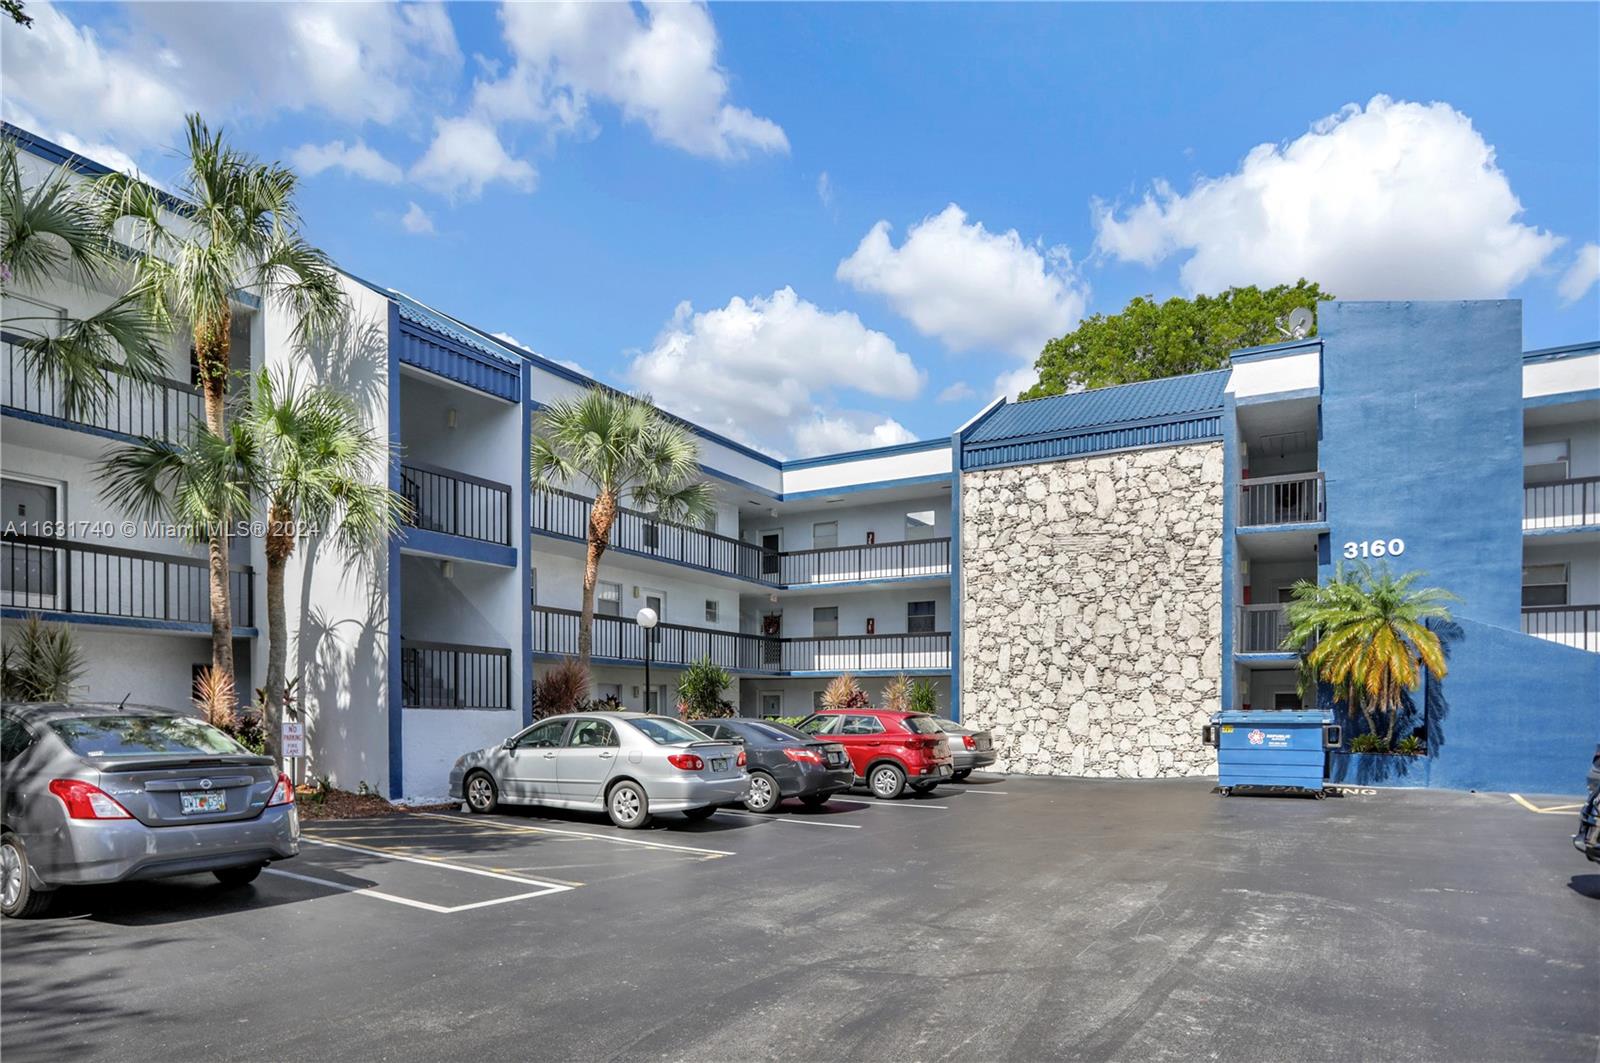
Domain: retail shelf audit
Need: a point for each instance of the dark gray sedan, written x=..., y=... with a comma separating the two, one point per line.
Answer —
x=106, y=793
x=784, y=762
x=970, y=748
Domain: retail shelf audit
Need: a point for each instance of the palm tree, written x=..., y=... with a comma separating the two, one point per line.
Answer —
x=1367, y=637
x=52, y=233
x=625, y=447
x=315, y=464
x=235, y=229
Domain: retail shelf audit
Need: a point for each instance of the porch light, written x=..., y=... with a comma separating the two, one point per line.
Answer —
x=647, y=619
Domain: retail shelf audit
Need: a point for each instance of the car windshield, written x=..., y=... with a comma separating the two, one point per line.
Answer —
x=109, y=736
x=921, y=725
x=665, y=732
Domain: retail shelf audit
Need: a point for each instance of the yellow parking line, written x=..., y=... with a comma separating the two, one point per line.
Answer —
x=1552, y=810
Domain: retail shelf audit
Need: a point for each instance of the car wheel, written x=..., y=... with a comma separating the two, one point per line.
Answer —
x=764, y=795
x=887, y=781
x=962, y=774
x=815, y=800
x=628, y=806
x=482, y=794
x=242, y=875
x=695, y=815
x=18, y=898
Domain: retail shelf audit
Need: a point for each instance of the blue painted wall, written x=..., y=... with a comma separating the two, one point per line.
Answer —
x=1422, y=440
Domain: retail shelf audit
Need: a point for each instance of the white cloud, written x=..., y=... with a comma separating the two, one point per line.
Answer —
x=576, y=367
x=466, y=156
x=1583, y=274
x=847, y=431
x=357, y=159
x=658, y=66
x=1397, y=201
x=1014, y=382
x=762, y=369
x=130, y=84
x=825, y=189
x=957, y=392
x=416, y=221
x=973, y=289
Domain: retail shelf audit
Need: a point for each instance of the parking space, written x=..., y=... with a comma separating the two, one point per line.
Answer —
x=1008, y=917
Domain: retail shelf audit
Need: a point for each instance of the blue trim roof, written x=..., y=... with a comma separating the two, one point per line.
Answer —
x=1122, y=405
x=1556, y=354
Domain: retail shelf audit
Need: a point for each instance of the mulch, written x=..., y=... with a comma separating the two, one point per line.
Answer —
x=342, y=804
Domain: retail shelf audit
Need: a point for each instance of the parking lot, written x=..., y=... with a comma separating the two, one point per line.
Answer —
x=1009, y=918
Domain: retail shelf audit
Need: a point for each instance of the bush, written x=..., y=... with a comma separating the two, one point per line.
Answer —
x=609, y=703
x=845, y=693
x=1410, y=746
x=564, y=687
x=1368, y=743
x=700, y=691
x=897, y=694
x=788, y=721
x=924, y=697
x=42, y=662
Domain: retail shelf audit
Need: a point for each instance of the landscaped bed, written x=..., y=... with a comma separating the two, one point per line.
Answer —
x=330, y=803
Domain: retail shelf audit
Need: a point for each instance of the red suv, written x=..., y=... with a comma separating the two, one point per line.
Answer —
x=889, y=750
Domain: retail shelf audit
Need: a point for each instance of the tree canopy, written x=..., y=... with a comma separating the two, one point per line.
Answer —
x=1148, y=340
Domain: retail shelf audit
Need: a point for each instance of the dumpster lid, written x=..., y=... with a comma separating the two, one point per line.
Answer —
x=1273, y=716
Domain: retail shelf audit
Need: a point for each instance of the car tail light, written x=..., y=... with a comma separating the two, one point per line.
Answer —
x=686, y=762
x=283, y=793
x=969, y=741
x=84, y=801
x=743, y=760
x=804, y=756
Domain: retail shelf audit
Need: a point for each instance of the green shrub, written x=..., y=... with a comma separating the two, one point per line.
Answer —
x=924, y=697
x=700, y=690
x=1410, y=746
x=41, y=662
x=1368, y=743
x=788, y=721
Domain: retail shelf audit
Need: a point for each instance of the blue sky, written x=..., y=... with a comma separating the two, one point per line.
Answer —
x=821, y=226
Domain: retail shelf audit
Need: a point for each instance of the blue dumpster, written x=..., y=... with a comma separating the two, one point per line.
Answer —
x=1282, y=749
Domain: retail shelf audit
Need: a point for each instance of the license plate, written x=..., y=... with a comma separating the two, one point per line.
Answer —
x=720, y=764
x=203, y=801
x=944, y=769
x=836, y=758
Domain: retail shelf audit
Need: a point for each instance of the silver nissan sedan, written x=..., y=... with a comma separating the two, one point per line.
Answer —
x=630, y=764
x=109, y=793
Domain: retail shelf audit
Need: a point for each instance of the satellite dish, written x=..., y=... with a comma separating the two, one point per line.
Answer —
x=1300, y=322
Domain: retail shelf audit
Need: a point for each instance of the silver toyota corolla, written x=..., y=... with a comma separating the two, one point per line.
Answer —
x=108, y=793
x=630, y=764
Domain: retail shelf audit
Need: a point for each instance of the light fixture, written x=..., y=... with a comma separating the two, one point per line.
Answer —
x=647, y=619
x=450, y=417
x=447, y=569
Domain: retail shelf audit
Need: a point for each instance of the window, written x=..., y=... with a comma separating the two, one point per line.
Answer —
x=920, y=618
x=542, y=736
x=711, y=610
x=825, y=621
x=608, y=598
x=816, y=699
x=921, y=725
x=15, y=738
x=608, y=692
x=919, y=525
x=710, y=730
x=825, y=535
x=1544, y=584
x=99, y=736
x=771, y=703
x=1285, y=699
x=1544, y=462
x=861, y=725
x=533, y=587
x=824, y=724
x=593, y=734
x=664, y=732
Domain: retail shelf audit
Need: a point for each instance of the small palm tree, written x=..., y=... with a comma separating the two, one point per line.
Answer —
x=625, y=447
x=1366, y=636
x=51, y=233
x=238, y=230
x=40, y=662
x=315, y=464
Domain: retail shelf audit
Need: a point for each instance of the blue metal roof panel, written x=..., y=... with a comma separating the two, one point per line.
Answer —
x=417, y=314
x=1083, y=411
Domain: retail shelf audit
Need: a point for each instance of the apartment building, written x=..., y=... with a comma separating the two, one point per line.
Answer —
x=1089, y=576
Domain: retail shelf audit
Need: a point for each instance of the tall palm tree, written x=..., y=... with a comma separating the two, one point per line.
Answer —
x=52, y=233
x=235, y=228
x=315, y=464
x=1366, y=636
x=625, y=448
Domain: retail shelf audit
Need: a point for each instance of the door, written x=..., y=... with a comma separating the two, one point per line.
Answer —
x=771, y=544
x=28, y=573
x=771, y=704
x=531, y=763
x=586, y=761
x=657, y=600
x=1285, y=699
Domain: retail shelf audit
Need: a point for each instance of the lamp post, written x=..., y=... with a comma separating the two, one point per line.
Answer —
x=647, y=620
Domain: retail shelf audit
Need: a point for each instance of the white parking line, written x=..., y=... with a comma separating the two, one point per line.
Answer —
x=545, y=888
x=997, y=793
x=785, y=819
x=874, y=802
x=619, y=839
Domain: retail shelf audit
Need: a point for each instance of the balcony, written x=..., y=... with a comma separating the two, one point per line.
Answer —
x=159, y=409
x=46, y=575
x=1293, y=499
x=1573, y=503
x=453, y=503
x=444, y=675
x=1262, y=629
x=1577, y=626
x=908, y=559
x=555, y=633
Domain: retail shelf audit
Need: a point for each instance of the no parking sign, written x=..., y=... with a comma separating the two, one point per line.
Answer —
x=294, y=739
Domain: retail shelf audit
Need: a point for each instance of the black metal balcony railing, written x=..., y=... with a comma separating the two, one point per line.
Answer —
x=1561, y=503
x=555, y=631
x=42, y=574
x=1262, y=628
x=443, y=675
x=566, y=514
x=157, y=409
x=1293, y=499
x=455, y=503
x=1570, y=625
x=902, y=560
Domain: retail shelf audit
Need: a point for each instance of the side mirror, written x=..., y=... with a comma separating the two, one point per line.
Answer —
x=509, y=744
